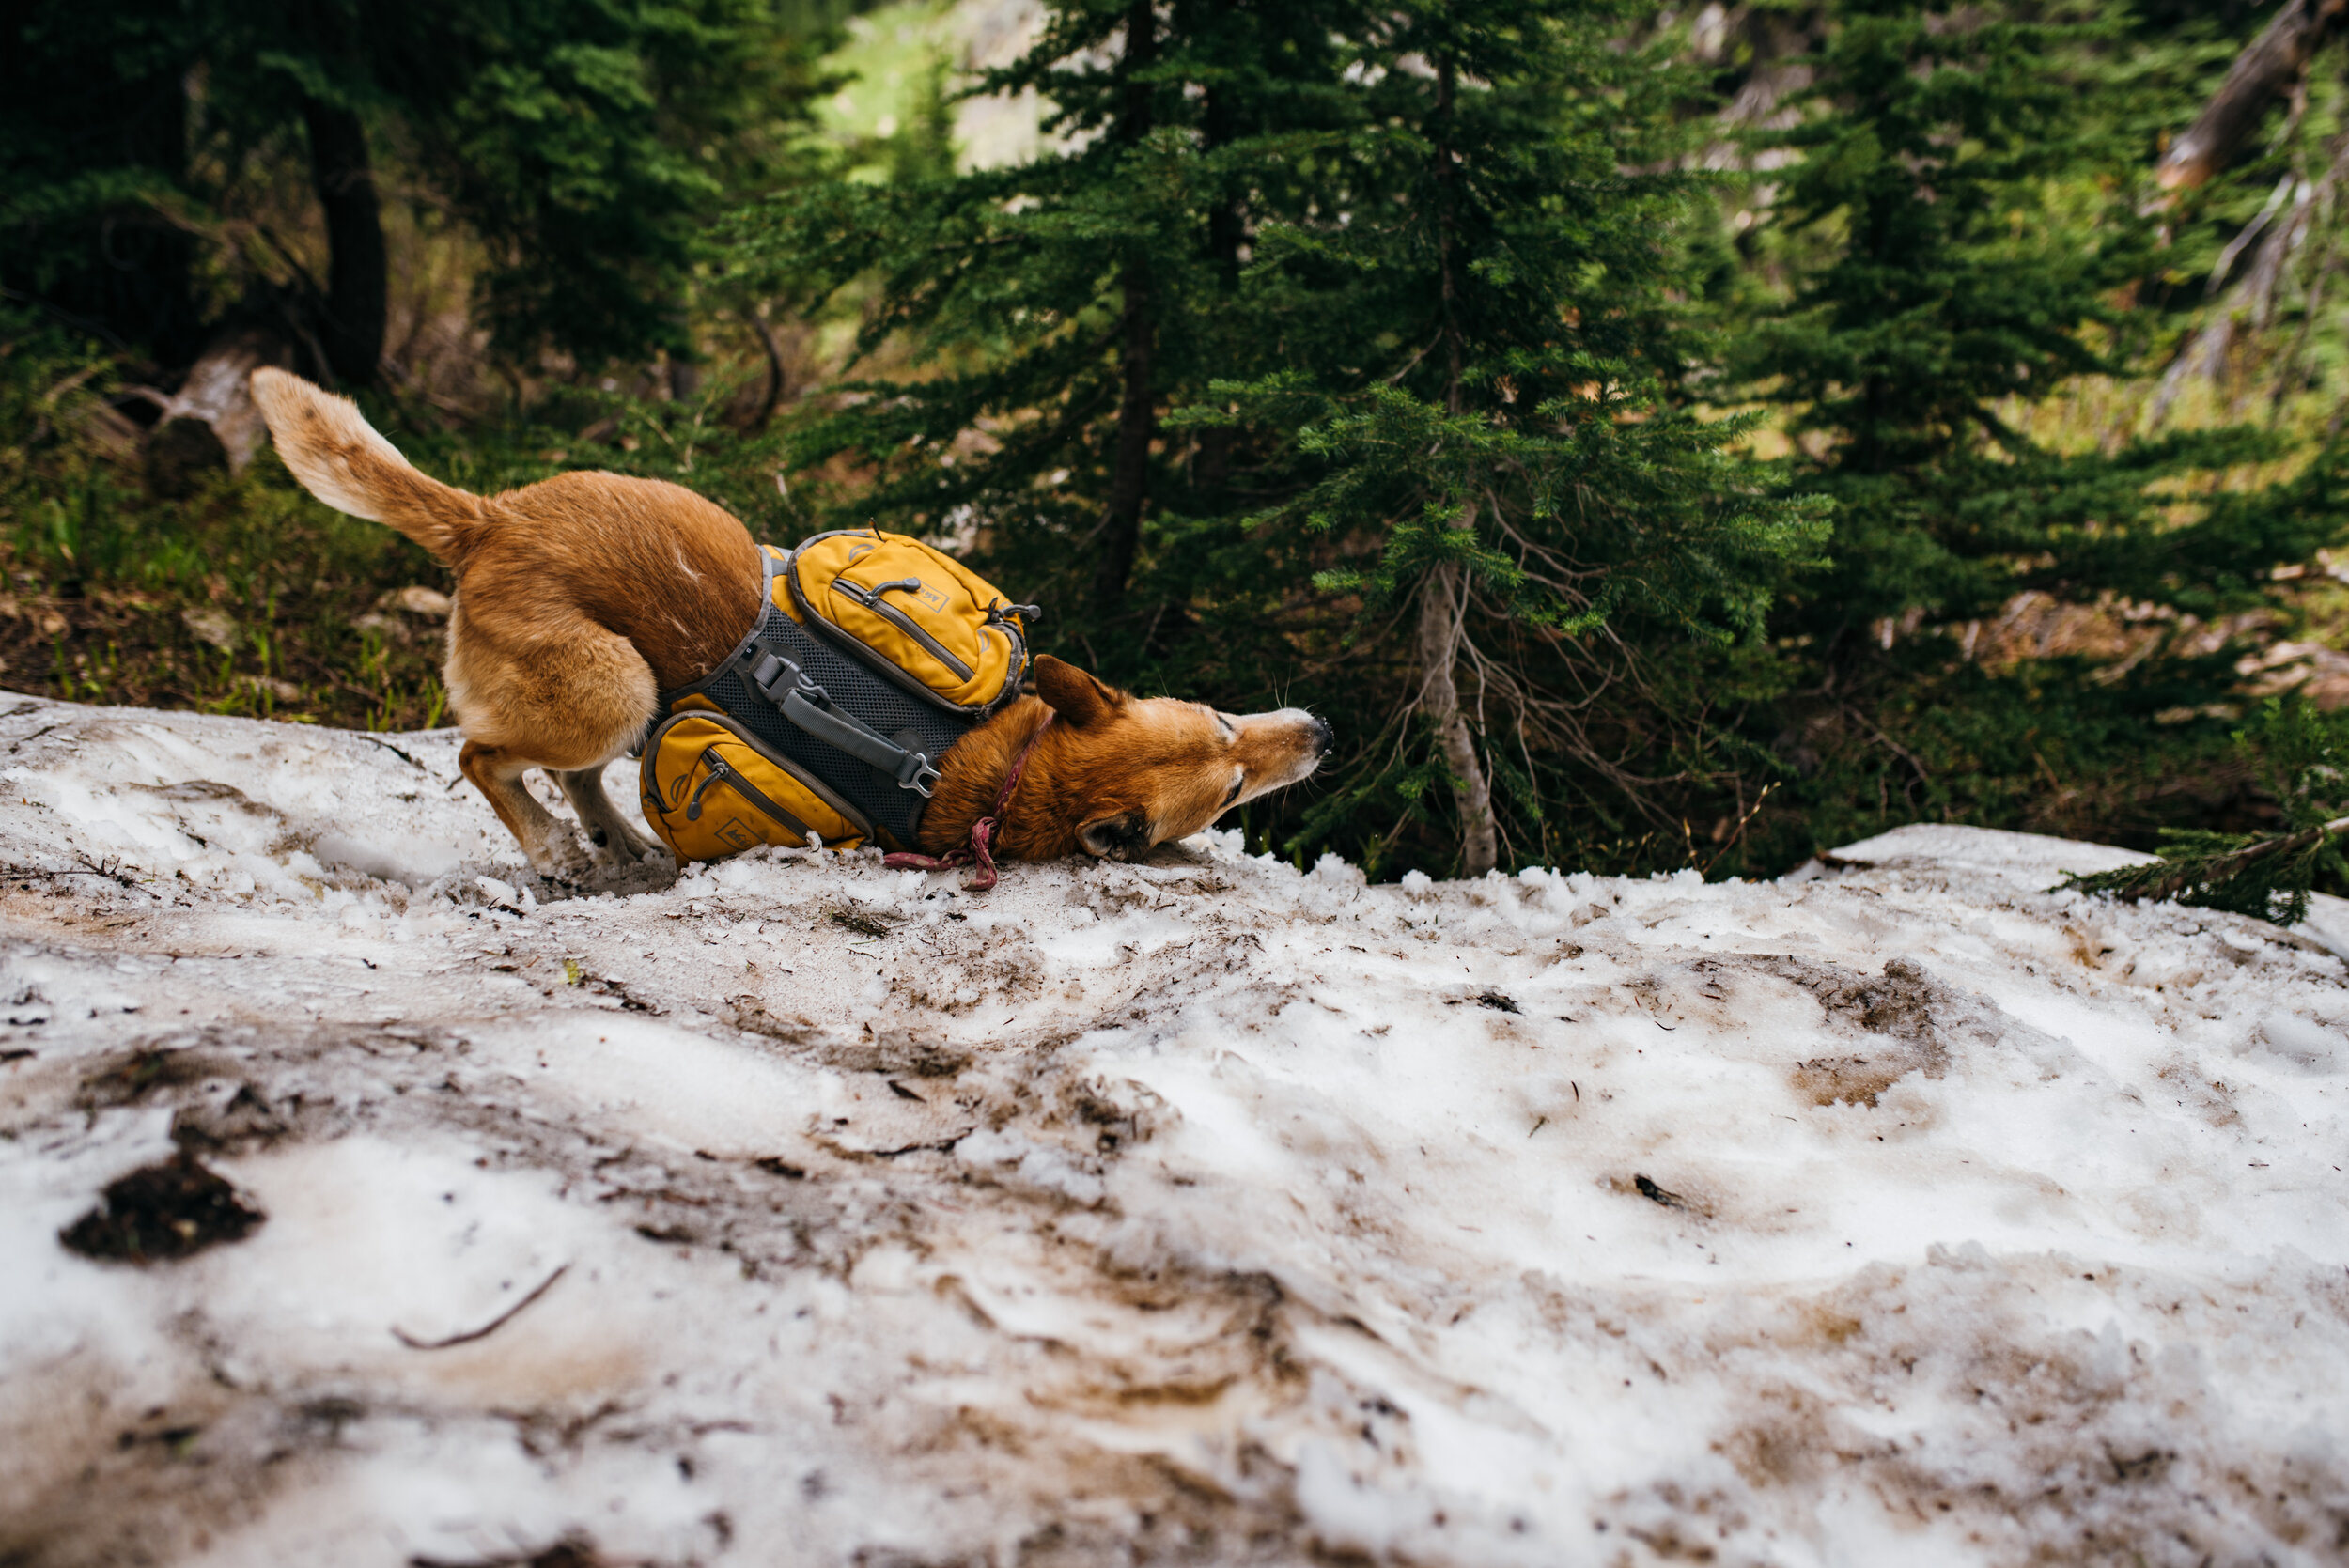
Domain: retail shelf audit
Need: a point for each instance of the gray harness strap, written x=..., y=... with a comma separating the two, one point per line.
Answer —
x=810, y=706
x=826, y=709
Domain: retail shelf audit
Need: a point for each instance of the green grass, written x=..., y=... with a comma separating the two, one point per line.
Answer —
x=247, y=597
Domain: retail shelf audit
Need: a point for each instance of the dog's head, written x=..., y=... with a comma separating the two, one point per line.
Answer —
x=1132, y=772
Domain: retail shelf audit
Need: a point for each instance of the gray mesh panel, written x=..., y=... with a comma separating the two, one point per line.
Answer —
x=886, y=707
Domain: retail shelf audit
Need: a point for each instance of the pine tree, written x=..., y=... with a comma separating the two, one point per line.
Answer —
x=592, y=145
x=1571, y=547
x=1413, y=319
x=586, y=145
x=1051, y=312
x=1960, y=247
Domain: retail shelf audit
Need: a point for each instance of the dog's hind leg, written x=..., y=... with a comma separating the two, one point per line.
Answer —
x=569, y=705
x=603, y=822
x=497, y=773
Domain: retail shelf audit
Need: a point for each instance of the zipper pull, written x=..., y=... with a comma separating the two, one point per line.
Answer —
x=718, y=770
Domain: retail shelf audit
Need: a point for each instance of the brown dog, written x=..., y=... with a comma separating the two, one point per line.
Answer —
x=581, y=598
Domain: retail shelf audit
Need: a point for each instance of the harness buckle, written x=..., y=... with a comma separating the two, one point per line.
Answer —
x=777, y=678
x=916, y=774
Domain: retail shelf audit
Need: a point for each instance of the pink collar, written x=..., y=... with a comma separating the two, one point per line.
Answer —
x=981, y=850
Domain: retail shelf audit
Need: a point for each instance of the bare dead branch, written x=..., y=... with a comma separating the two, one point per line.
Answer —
x=2269, y=65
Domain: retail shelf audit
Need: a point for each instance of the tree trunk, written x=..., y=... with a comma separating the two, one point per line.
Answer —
x=771, y=397
x=1137, y=423
x=211, y=423
x=1442, y=607
x=359, y=278
x=2268, y=66
x=1227, y=232
x=1447, y=224
x=1136, y=413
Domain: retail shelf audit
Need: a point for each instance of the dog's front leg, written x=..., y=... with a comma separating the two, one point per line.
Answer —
x=599, y=818
x=497, y=773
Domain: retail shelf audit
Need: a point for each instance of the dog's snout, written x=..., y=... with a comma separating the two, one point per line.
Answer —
x=1324, y=736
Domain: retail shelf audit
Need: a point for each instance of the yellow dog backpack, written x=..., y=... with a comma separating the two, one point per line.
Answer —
x=872, y=655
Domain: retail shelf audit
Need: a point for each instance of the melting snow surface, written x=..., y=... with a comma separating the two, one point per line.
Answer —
x=1899, y=1211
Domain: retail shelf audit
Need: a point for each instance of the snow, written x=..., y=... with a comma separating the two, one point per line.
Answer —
x=1933, y=845
x=1901, y=1210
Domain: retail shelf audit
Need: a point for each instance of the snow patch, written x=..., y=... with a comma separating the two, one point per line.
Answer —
x=791, y=1208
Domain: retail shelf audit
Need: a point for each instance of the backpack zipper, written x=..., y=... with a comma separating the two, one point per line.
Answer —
x=999, y=619
x=737, y=734
x=719, y=771
x=904, y=623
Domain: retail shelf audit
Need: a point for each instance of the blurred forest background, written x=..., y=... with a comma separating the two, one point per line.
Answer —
x=1655, y=438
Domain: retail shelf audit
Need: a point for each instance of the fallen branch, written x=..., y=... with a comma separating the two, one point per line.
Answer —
x=2250, y=303
x=2267, y=879
x=110, y=868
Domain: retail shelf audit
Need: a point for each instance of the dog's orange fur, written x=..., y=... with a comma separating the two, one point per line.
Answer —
x=1115, y=774
x=580, y=598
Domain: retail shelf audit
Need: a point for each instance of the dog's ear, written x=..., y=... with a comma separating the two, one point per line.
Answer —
x=1076, y=696
x=1123, y=837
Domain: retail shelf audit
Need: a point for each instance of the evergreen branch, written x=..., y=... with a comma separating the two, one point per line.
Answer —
x=2268, y=878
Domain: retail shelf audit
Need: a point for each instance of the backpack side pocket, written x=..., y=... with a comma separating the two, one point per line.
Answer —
x=710, y=790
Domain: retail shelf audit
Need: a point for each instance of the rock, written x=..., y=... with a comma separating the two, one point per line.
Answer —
x=416, y=599
x=212, y=626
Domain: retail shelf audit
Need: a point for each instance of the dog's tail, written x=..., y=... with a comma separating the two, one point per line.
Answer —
x=344, y=461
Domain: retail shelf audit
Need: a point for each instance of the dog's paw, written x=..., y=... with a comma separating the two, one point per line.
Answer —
x=561, y=858
x=620, y=847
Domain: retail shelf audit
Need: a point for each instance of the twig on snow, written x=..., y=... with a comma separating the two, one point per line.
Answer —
x=396, y=752
x=110, y=868
x=487, y=1328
